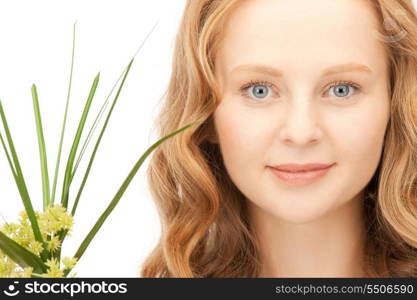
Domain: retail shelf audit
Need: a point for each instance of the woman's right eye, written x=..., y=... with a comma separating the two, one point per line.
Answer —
x=257, y=90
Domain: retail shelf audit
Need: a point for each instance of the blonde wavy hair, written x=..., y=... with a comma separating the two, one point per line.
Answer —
x=205, y=230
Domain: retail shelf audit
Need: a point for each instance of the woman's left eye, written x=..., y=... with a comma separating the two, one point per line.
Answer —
x=343, y=89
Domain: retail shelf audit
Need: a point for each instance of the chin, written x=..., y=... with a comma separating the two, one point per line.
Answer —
x=300, y=212
x=299, y=218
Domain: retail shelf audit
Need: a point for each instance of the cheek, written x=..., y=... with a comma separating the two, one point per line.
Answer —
x=360, y=135
x=242, y=135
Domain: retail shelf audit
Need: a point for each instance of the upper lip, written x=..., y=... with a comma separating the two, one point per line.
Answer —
x=301, y=167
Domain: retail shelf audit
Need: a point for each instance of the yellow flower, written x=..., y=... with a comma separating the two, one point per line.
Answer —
x=23, y=215
x=54, y=270
x=54, y=243
x=54, y=219
x=10, y=229
x=25, y=273
x=55, y=273
x=35, y=247
x=6, y=266
x=69, y=262
x=51, y=222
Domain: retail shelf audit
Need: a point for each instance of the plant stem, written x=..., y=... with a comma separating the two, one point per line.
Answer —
x=64, y=122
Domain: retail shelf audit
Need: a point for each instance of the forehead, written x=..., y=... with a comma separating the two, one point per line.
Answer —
x=306, y=34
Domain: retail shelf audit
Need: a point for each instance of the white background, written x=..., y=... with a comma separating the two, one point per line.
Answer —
x=36, y=44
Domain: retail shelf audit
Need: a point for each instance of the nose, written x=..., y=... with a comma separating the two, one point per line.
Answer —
x=300, y=125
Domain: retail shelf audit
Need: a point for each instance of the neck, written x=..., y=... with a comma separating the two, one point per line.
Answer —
x=332, y=246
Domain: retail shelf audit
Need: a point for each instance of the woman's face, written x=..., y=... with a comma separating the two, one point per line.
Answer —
x=302, y=82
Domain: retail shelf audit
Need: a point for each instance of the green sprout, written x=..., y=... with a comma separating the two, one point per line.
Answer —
x=32, y=247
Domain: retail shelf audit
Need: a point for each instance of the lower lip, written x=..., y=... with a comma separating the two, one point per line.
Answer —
x=300, y=178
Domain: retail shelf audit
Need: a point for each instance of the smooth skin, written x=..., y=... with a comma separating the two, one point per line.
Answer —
x=319, y=94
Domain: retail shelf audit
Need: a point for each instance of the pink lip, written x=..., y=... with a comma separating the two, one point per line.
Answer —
x=298, y=167
x=293, y=174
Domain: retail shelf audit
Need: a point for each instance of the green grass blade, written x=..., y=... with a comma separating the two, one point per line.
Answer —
x=87, y=140
x=21, y=255
x=21, y=185
x=42, y=148
x=121, y=191
x=58, y=159
x=70, y=162
x=92, y=129
x=8, y=157
x=99, y=139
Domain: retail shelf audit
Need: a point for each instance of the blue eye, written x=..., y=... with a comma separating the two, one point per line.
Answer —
x=256, y=90
x=343, y=90
x=260, y=91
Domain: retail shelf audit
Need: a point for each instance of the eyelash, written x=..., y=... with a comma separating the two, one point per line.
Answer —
x=244, y=89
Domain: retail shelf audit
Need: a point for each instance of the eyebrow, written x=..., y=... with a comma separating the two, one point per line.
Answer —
x=344, y=68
